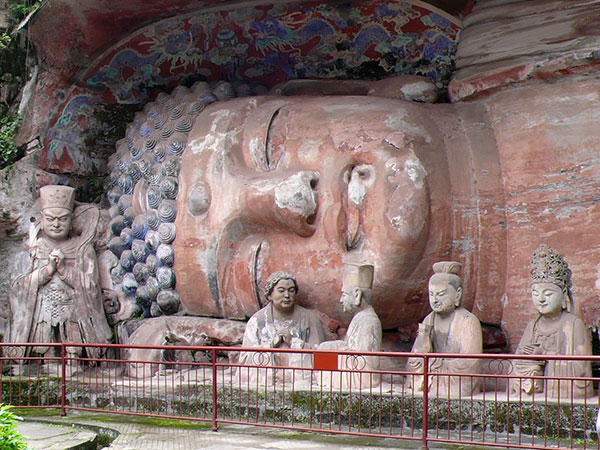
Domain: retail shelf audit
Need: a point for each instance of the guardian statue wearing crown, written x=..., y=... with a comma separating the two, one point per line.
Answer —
x=555, y=331
x=55, y=295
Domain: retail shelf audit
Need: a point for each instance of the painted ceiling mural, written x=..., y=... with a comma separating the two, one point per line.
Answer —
x=262, y=45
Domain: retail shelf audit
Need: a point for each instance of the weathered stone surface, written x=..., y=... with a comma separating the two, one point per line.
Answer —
x=550, y=170
x=508, y=42
x=375, y=195
x=90, y=84
x=178, y=330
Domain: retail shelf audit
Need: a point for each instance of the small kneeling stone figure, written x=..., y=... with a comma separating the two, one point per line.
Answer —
x=555, y=331
x=450, y=328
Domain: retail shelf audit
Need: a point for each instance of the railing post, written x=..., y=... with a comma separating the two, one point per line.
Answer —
x=215, y=426
x=63, y=395
x=425, y=401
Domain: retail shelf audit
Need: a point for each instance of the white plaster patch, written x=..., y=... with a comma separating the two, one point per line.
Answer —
x=296, y=195
x=392, y=165
x=211, y=140
x=415, y=171
x=465, y=244
x=396, y=121
x=356, y=192
x=597, y=283
x=416, y=90
x=257, y=151
x=361, y=179
x=568, y=211
x=308, y=152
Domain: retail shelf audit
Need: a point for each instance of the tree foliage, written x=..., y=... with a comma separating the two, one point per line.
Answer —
x=9, y=153
x=10, y=438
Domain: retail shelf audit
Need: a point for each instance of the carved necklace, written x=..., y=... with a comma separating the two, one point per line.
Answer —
x=547, y=338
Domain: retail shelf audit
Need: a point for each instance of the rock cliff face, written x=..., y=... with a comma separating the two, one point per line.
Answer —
x=533, y=67
x=520, y=142
x=508, y=42
x=548, y=149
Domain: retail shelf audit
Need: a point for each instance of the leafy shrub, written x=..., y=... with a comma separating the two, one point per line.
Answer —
x=18, y=9
x=10, y=439
x=9, y=125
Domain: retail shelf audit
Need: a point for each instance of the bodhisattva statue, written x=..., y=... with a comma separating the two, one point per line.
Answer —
x=450, y=328
x=282, y=324
x=364, y=332
x=555, y=331
x=55, y=296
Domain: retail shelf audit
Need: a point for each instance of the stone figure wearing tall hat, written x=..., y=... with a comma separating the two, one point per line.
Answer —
x=55, y=295
x=364, y=332
x=449, y=328
x=555, y=331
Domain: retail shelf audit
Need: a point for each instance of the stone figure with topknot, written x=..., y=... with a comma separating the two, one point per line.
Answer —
x=450, y=328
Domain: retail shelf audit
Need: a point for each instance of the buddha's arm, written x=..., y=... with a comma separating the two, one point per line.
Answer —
x=581, y=346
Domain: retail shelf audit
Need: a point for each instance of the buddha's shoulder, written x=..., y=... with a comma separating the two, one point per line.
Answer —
x=466, y=315
x=574, y=319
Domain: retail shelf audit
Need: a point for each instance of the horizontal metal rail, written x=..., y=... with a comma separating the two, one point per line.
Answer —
x=340, y=392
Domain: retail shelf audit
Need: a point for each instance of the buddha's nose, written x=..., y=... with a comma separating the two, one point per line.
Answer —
x=286, y=200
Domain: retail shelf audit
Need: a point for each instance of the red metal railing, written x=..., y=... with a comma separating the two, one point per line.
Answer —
x=209, y=384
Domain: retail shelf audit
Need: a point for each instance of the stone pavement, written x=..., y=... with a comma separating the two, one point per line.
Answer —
x=132, y=433
x=40, y=436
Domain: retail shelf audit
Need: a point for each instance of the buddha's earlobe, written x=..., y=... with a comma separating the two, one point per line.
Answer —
x=357, y=296
x=458, y=296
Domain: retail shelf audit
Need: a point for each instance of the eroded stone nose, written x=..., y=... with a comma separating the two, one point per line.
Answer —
x=285, y=200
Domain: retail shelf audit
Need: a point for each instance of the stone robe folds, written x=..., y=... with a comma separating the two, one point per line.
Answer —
x=364, y=335
x=305, y=329
x=464, y=336
x=569, y=337
x=80, y=319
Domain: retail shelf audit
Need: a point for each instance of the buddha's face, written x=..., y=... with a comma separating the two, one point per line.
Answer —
x=443, y=297
x=56, y=223
x=302, y=185
x=283, y=296
x=548, y=298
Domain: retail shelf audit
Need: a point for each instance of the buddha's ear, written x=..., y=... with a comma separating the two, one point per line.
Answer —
x=357, y=296
x=565, y=303
x=458, y=296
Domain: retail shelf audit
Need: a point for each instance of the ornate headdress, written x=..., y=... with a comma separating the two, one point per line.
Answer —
x=54, y=196
x=549, y=266
x=358, y=275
